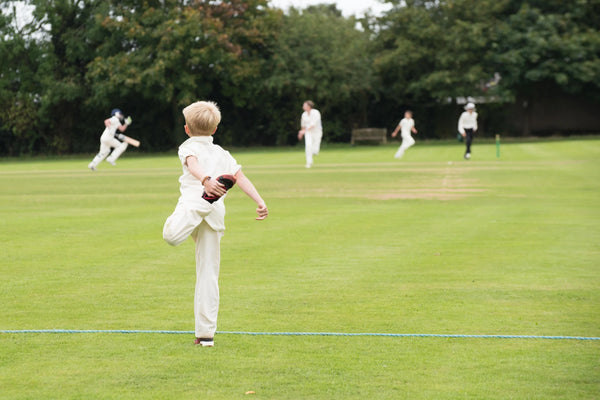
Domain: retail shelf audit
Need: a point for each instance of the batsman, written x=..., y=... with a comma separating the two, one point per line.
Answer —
x=110, y=139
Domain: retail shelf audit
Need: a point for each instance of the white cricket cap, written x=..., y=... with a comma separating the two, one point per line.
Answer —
x=470, y=106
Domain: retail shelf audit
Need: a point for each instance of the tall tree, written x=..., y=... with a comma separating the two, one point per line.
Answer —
x=548, y=49
x=555, y=43
x=19, y=85
x=68, y=37
x=321, y=55
x=162, y=55
x=432, y=50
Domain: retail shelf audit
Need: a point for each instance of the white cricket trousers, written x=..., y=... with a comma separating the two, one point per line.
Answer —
x=312, y=145
x=185, y=222
x=105, y=145
x=407, y=141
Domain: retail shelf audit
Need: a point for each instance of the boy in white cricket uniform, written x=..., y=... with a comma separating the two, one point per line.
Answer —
x=407, y=127
x=467, y=126
x=311, y=130
x=110, y=139
x=204, y=221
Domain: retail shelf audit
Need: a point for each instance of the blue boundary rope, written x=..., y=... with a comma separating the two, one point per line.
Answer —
x=404, y=335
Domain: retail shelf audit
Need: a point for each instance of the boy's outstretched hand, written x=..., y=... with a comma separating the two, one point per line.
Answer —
x=262, y=212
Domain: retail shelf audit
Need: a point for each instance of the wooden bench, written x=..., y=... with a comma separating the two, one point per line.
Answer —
x=369, y=134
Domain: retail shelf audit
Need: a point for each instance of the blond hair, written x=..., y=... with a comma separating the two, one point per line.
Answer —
x=202, y=118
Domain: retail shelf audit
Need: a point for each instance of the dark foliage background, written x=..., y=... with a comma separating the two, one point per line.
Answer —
x=63, y=71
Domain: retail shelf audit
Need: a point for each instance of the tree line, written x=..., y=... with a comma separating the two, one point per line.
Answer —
x=65, y=68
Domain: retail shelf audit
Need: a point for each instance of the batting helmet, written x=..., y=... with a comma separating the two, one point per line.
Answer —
x=116, y=111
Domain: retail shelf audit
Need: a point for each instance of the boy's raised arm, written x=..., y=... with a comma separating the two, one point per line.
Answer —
x=248, y=188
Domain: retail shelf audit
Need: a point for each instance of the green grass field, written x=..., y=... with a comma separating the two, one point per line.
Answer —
x=429, y=244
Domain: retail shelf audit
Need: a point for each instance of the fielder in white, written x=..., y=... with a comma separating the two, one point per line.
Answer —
x=110, y=139
x=311, y=130
x=406, y=128
x=467, y=126
x=204, y=221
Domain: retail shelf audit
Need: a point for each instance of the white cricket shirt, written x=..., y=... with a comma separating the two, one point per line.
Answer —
x=312, y=122
x=406, y=125
x=467, y=120
x=215, y=161
x=111, y=129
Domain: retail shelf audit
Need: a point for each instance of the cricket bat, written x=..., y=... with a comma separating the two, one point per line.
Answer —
x=131, y=141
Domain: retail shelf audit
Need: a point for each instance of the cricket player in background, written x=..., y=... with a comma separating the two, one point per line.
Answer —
x=110, y=139
x=406, y=128
x=467, y=126
x=311, y=130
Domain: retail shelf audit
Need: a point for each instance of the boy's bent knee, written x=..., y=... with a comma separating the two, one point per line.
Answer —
x=172, y=238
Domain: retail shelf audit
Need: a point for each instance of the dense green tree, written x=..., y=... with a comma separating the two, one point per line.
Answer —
x=62, y=71
x=19, y=86
x=161, y=55
x=68, y=27
x=436, y=49
x=431, y=51
x=548, y=49
x=321, y=55
x=554, y=43
x=45, y=63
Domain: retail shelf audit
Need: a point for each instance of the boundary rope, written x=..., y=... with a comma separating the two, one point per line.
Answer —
x=402, y=335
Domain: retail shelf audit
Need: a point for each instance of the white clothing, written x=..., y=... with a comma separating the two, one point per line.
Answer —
x=312, y=145
x=205, y=222
x=208, y=260
x=407, y=142
x=107, y=142
x=467, y=120
x=113, y=124
x=311, y=123
x=406, y=126
x=206, y=293
x=185, y=219
x=215, y=161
